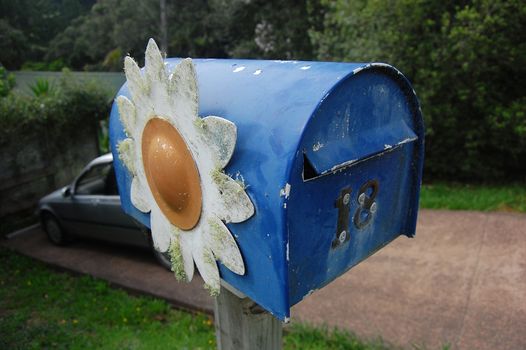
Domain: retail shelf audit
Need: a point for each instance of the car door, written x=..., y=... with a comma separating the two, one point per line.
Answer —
x=84, y=213
x=118, y=226
x=92, y=208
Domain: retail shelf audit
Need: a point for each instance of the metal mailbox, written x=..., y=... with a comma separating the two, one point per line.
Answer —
x=332, y=156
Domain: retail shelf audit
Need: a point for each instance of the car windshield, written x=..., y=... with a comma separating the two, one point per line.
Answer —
x=98, y=180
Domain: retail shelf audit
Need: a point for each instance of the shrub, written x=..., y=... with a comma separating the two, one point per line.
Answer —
x=467, y=61
x=7, y=81
x=69, y=107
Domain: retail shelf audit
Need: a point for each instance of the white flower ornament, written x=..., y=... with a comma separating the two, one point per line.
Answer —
x=177, y=160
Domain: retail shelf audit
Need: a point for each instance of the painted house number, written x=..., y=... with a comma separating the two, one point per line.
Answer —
x=364, y=212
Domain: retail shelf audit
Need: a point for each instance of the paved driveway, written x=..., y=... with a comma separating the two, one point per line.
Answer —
x=461, y=281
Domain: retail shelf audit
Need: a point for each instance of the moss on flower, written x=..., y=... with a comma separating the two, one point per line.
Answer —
x=199, y=123
x=214, y=292
x=176, y=257
x=126, y=151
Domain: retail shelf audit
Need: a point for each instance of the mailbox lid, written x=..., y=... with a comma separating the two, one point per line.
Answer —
x=366, y=137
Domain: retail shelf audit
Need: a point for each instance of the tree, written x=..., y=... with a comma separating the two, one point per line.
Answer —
x=467, y=61
x=26, y=27
x=111, y=26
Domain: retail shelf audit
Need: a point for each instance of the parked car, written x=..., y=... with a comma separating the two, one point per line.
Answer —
x=91, y=207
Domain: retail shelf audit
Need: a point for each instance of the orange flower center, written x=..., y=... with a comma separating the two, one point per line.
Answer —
x=172, y=174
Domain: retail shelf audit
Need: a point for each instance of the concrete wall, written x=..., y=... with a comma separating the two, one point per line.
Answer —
x=112, y=81
x=36, y=162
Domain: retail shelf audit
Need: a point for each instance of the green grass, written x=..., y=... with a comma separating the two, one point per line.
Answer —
x=473, y=197
x=306, y=337
x=41, y=308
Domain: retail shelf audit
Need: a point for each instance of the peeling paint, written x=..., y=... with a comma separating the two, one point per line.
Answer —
x=317, y=146
x=305, y=68
x=407, y=140
x=285, y=191
x=258, y=72
x=241, y=181
x=357, y=70
x=309, y=293
x=343, y=165
x=239, y=69
x=386, y=147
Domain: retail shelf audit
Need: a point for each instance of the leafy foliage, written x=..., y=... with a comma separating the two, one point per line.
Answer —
x=42, y=87
x=27, y=26
x=53, y=66
x=116, y=26
x=7, y=82
x=467, y=61
x=60, y=108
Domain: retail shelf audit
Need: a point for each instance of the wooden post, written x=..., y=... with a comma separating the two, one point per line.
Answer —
x=241, y=324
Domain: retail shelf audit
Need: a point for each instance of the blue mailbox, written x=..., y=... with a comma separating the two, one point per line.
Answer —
x=331, y=157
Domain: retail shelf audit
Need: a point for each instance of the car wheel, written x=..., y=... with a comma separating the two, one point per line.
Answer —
x=162, y=258
x=53, y=230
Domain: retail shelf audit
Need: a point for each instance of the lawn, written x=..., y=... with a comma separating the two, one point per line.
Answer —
x=41, y=308
x=473, y=197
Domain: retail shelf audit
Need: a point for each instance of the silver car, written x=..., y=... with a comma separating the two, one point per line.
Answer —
x=91, y=207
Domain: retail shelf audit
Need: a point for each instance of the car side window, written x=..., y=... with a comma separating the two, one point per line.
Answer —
x=93, y=181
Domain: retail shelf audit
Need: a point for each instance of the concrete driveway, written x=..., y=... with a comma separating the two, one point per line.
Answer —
x=461, y=281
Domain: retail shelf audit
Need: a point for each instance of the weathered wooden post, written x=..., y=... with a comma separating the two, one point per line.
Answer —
x=242, y=324
x=272, y=177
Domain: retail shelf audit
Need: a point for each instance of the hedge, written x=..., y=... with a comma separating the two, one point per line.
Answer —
x=63, y=107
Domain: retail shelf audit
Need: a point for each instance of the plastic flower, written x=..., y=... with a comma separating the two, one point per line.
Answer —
x=177, y=160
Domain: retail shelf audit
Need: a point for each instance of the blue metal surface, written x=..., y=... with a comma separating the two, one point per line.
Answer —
x=284, y=112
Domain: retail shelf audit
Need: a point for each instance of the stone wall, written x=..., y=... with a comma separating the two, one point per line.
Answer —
x=36, y=162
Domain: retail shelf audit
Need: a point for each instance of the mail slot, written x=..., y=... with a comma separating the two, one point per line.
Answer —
x=330, y=155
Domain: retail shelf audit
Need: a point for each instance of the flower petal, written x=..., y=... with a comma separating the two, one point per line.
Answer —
x=181, y=258
x=154, y=63
x=224, y=246
x=236, y=206
x=136, y=82
x=176, y=258
x=126, y=149
x=138, y=196
x=162, y=230
x=126, y=114
x=183, y=88
x=185, y=240
x=221, y=135
x=207, y=266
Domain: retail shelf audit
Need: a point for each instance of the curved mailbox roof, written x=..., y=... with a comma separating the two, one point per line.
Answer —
x=271, y=103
